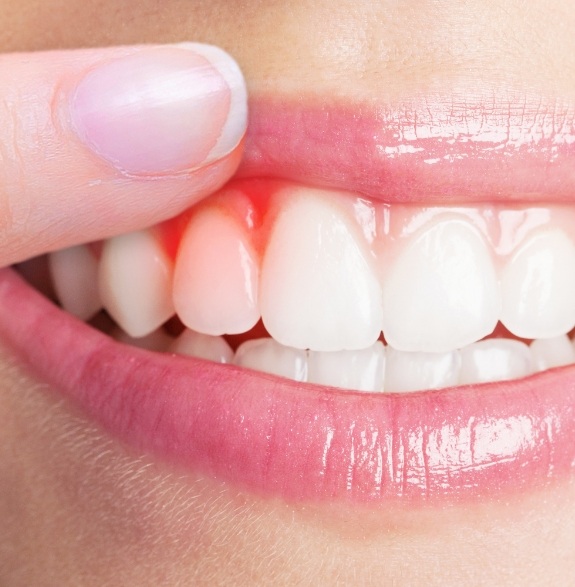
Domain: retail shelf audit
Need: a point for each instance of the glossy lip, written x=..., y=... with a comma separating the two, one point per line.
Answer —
x=468, y=148
x=301, y=442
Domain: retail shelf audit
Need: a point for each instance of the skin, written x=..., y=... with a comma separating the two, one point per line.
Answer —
x=78, y=509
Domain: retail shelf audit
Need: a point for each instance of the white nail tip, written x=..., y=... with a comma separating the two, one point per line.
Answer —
x=495, y=359
x=202, y=346
x=269, y=356
x=409, y=371
x=216, y=276
x=135, y=281
x=317, y=289
x=538, y=287
x=236, y=122
x=74, y=274
x=442, y=292
x=361, y=370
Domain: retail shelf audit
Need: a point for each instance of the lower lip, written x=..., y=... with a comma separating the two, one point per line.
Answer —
x=303, y=443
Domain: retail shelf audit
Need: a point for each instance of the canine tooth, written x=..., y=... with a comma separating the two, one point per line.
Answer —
x=442, y=292
x=216, y=276
x=547, y=353
x=202, y=346
x=318, y=290
x=494, y=359
x=158, y=340
x=265, y=354
x=361, y=370
x=135, y=282
x=407, y=371
x=538, y=287
x=74, y=274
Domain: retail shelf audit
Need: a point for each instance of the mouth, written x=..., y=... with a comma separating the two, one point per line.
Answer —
x=378, y=308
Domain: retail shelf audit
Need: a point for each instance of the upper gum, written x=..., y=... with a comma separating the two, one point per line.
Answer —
x=384, y=227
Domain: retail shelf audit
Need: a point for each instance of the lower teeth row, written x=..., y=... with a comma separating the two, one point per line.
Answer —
x=377, y=368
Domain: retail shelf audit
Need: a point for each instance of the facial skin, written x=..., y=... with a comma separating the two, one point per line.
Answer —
x=79, y=509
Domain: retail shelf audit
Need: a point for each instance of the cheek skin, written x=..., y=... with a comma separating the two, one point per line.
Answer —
x=382, y=49
x=75, y=503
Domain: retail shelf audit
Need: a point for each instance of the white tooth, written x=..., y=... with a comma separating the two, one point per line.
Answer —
x=202, y=346
x=318, y=290
x=265, y=354
x=74, y=274
x=547, y=353
x=216, y=276
x=538, y=287
x=495, y=359
x=158, y=341
x=136, y=282
x=442, y=292
x=361, y=370
x=406, y=371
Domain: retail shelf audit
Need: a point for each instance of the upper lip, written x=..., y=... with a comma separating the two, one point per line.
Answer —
x=435, y=149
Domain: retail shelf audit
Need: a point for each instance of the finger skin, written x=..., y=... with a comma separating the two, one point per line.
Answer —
x=57, y=188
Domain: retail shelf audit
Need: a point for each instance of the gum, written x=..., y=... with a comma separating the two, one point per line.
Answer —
x=385, y=228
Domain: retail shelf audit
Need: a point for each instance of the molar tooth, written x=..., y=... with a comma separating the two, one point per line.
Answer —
x=318, y=290
x=74, y=274
x=442, y=292
x=265, y=354
x=547, y=353
x=538, y=287
x=407, y=371
x=135, y=281
x=216, y=276
x=202, y=346
x=495, y=359
x=361, y=370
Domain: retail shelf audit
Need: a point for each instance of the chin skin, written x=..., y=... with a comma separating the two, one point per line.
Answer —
x=79, y=510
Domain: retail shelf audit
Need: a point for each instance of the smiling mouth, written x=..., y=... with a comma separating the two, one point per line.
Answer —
x=441, y=310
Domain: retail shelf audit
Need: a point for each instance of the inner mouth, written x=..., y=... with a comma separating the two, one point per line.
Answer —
x=334, y=289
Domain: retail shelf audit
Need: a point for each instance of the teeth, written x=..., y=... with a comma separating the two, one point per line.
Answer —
x=202, y=346
x=216, y=276
x=135, y=282
x=442, y=292
x=158, y=341
x=265, y=354
x=538, y=287
x=406, y=371
x=361, y=370
x=334, y=274
x=547, y=353
x=317, y=288
x=495, y=359
x=74, y=274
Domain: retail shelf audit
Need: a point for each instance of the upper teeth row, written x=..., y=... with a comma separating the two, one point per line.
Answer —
x=336, y=271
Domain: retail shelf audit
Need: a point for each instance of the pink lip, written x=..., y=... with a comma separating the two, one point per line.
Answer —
x=468, y=148
x=301, y=442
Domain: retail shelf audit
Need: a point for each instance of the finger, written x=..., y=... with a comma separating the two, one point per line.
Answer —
x=102, y=141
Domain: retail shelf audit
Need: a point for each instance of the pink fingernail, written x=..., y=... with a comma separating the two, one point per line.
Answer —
x=163, y=109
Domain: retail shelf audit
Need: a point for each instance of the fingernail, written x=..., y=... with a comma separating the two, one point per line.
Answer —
x=162, y=110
